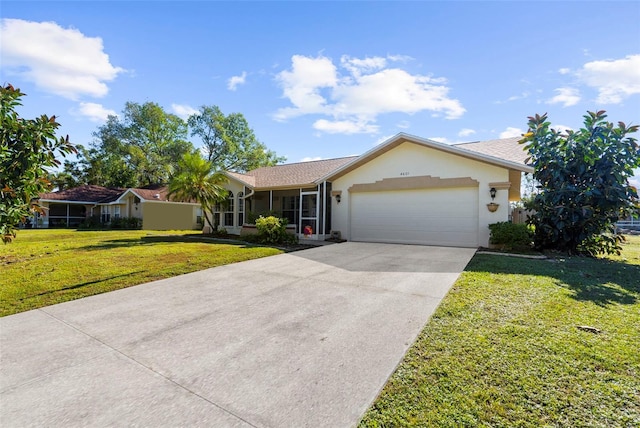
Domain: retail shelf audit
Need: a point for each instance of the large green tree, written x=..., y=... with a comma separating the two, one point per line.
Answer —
x=583, y=183
x=28, y=147
x=136, y=150
x=195, y=179
x=228, y=141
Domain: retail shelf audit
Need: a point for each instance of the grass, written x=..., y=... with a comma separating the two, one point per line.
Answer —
x=504, y=349
x=48, y=266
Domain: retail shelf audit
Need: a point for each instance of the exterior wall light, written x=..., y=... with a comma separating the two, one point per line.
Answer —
x=338, y=198
x=492, y=192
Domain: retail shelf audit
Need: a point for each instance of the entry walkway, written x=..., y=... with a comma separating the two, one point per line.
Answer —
x=300, y=339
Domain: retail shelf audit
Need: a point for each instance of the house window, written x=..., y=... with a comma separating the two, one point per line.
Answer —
x=240, y=208
x=199, y=218
x=290, y=208
x=116, y=211
x=228, y=214
x=105, y=214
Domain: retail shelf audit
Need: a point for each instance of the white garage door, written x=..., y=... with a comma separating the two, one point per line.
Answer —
x=447, y=217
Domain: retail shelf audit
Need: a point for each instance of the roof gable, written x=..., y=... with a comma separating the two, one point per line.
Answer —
x=493, y=152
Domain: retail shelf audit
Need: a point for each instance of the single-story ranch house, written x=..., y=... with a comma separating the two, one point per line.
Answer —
x=405, y=190
x=71, y=207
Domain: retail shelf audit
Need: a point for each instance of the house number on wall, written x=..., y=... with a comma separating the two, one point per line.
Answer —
x=404, y=173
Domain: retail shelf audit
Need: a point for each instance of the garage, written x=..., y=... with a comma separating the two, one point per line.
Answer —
x=445, y=217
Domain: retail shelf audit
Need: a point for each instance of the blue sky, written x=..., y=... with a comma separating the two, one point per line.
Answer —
x=328, y=79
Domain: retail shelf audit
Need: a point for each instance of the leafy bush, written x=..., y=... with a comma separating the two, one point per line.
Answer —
x=511, y=236
x=583, y=180
x=272, y=230
x=92, y=222
x=253, y=216
x=126, y=223
x=603, y=243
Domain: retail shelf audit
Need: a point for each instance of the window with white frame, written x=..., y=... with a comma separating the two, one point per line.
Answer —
x=116, y=211
x=228, y=214
x=105, y=216
x=240, y=208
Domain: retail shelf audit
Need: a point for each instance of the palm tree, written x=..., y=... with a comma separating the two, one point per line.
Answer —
x=195, y=180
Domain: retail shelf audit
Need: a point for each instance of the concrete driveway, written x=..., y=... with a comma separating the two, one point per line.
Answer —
x=300, y=339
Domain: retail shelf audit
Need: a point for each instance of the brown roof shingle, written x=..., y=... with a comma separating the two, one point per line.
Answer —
x=87, y=193
x=153, y=192
x=504, y=148
x=291, y=175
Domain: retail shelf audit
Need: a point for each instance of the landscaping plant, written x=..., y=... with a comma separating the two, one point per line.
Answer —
x=27, y=148
x=510, y=236
x=272, y=230
x=583, y=183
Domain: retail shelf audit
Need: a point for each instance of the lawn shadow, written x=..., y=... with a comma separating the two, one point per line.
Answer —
x=603, y=282
x=155, y=239
x=76, y=286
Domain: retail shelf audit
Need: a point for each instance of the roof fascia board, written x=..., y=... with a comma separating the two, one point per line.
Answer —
x=152, y=201
x=403, y=137
x=130, y=190
x=234, y=178
x=65, y=201
x=288, y=187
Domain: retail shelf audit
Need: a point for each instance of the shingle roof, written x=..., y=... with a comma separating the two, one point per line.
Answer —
x=153, y=192
x=87, y=193
x=505, y=148
x=291, y=175
x=103, y=195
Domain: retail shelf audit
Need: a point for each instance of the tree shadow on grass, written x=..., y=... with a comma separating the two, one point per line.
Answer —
x=158, y=239
x=603, y=282
x=80, y=285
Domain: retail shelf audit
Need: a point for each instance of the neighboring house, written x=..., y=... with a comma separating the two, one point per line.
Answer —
x=405, y=190
x=69, y=208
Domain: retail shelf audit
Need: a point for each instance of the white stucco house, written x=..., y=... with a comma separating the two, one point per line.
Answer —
x=406, y=190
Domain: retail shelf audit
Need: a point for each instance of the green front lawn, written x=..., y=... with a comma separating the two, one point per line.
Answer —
x=47, y=266
x=505, y=348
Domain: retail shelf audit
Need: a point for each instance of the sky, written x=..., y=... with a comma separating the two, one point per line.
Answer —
x=319, y=80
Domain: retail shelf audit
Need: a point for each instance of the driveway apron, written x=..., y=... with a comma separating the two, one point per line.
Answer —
x=300, y=339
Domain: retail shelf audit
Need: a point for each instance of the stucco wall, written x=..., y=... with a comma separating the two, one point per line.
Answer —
x=169, y=216
x=413, y=160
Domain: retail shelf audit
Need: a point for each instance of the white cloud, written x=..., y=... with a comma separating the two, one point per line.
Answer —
x=564, y=71
x=183, y=111
x=511, y=132
x=234, y=81
x=615, y=80
x=566, y=96
x=344, y=127
x=465, y=132
x=311, y=159
x=561, y=128
x=357, y=93
x=61, y=61
x=405, y=124
x=382, y=140
x=303, y=83
x=442, y=140
x=357, y=66
x=95, y=112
